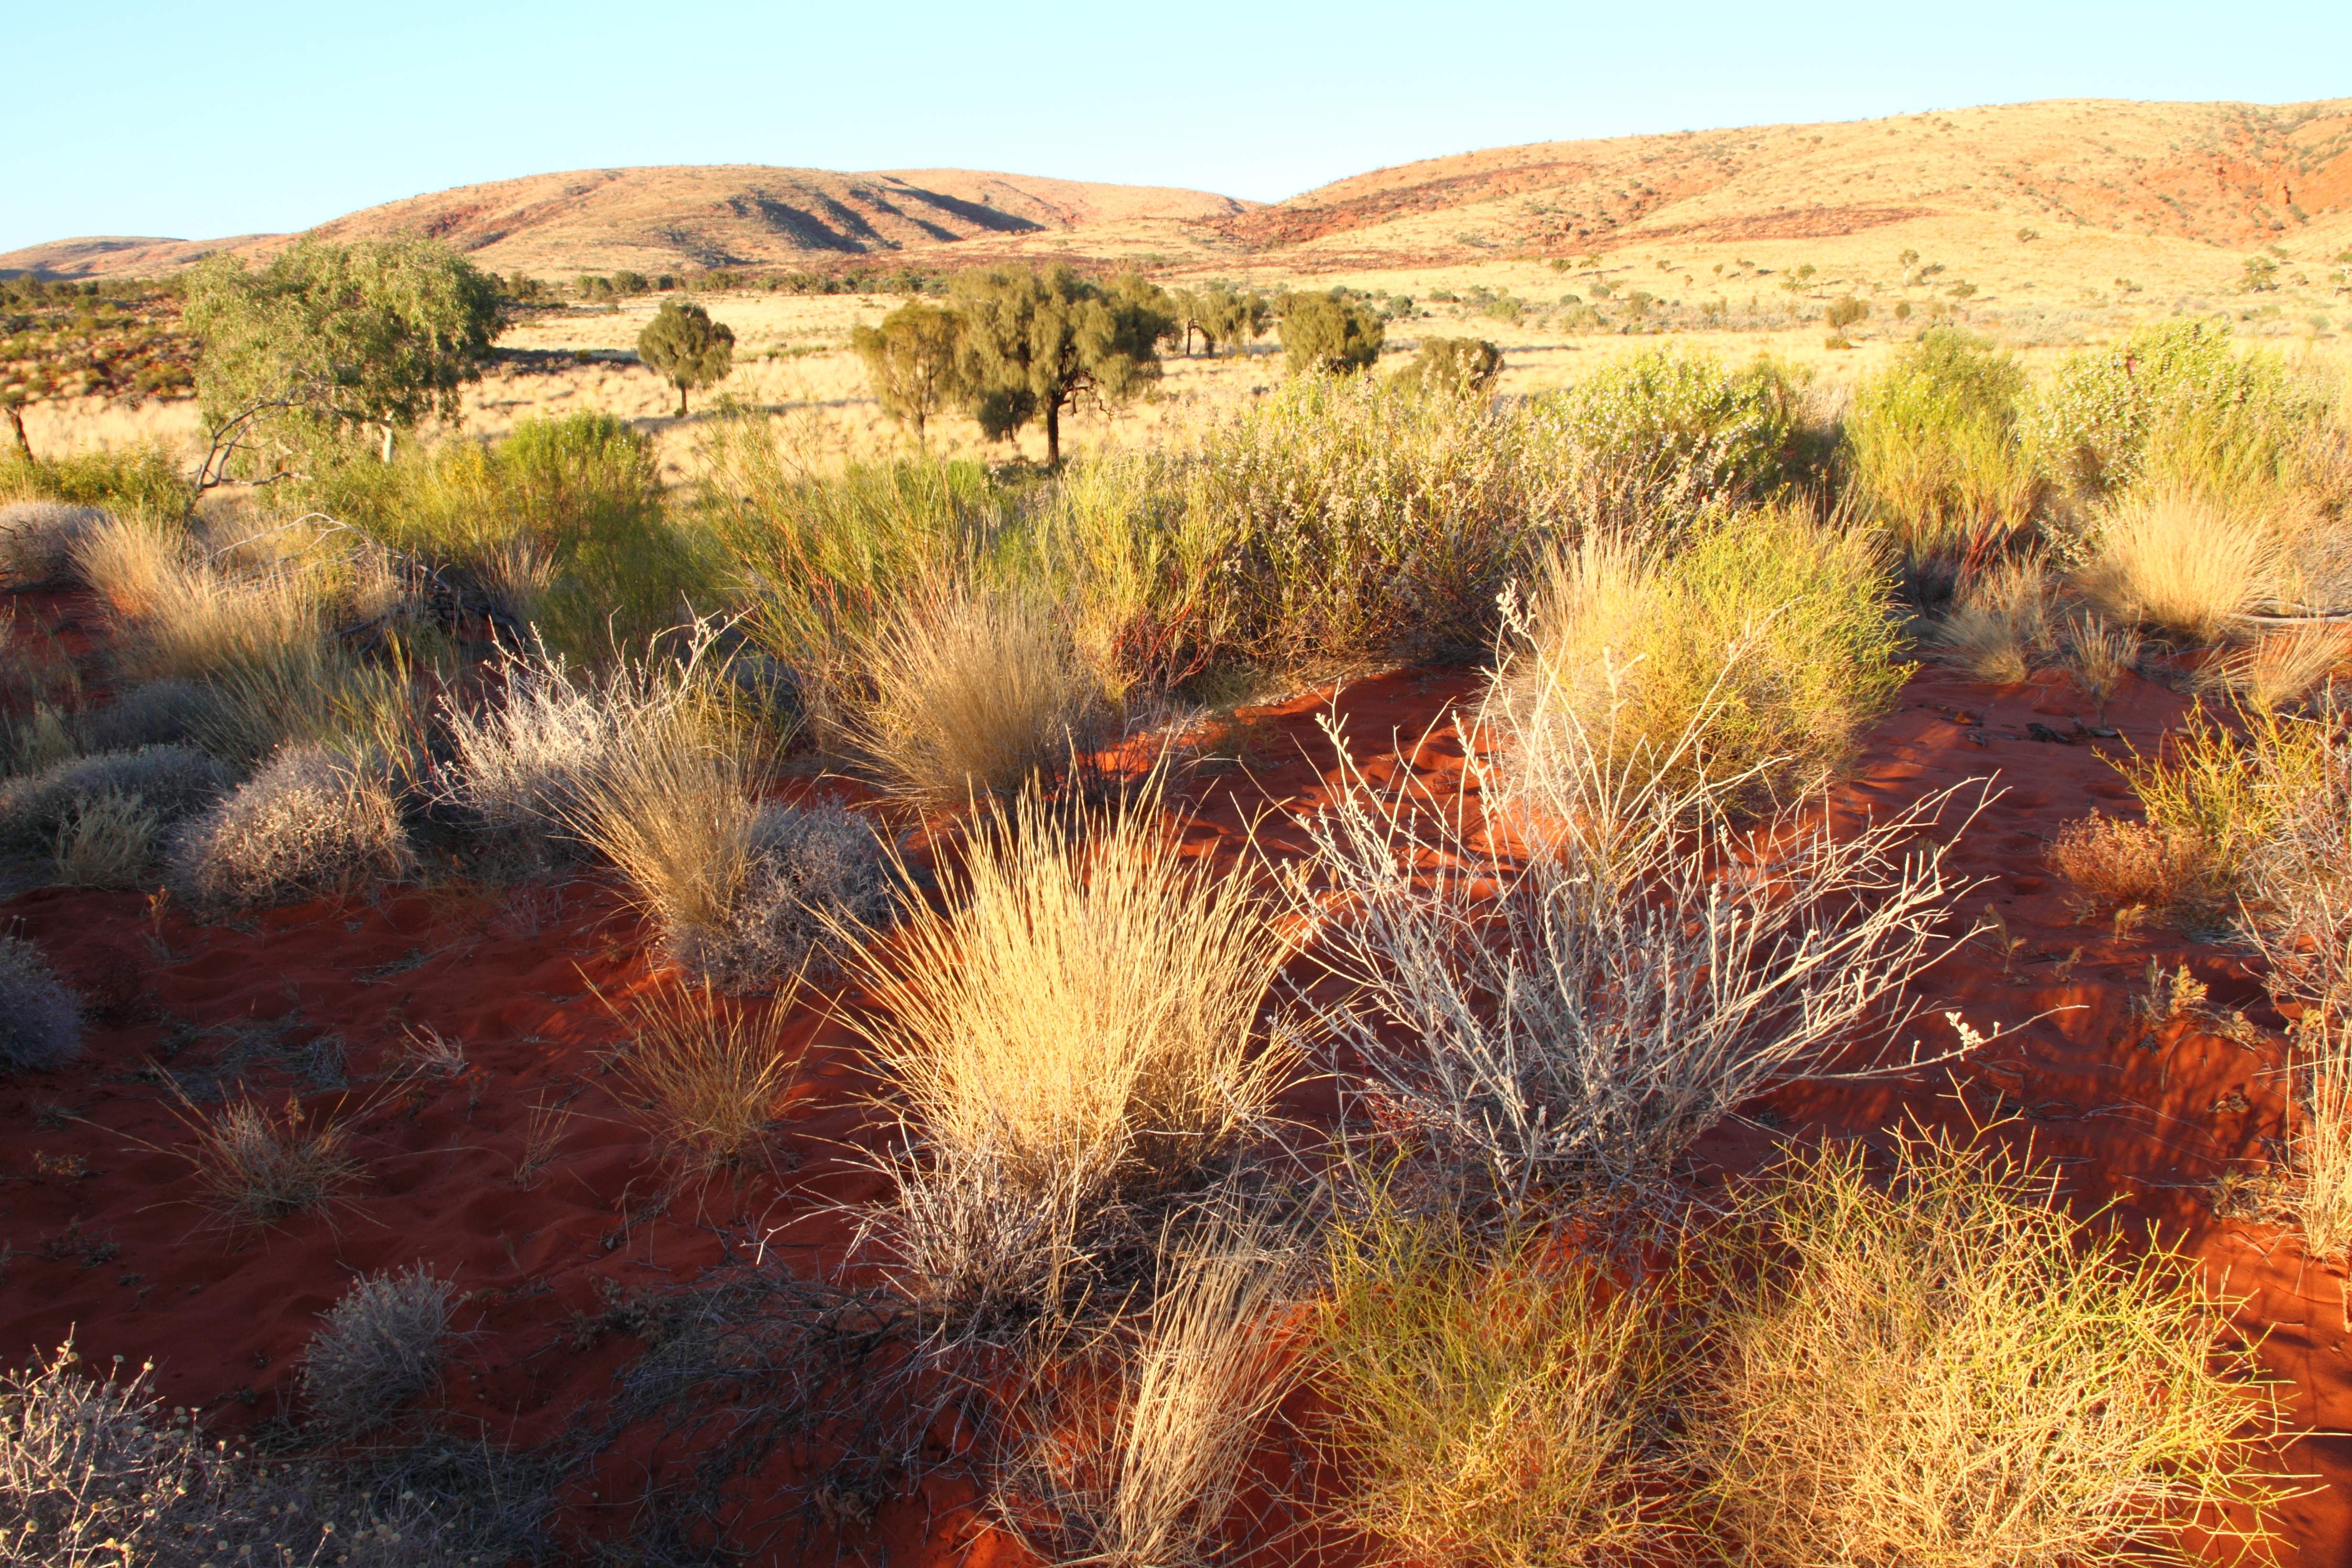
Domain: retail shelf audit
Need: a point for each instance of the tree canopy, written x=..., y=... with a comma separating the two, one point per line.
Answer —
x=1221, y=314
x=1033, y=344
x=911, y=363
x=330, y=340
x=685, y=345
x=1453, y=364
x=1329, y=333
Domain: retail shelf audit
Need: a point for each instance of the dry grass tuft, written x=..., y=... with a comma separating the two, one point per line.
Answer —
x=1137, y=1464
x=128, y=561
x=107, y=841
x=971, y=693
x=40, y=1021
x=2098, y=656
x=2320, y=1146
x=1944, y=1367
x=2001, y=623
x=1078, y=1022
x=379, y=1347
x=1496, y=1404
x=2128, y=865
x=255, y=1168
x=708, y=1073
x=310, y=824
x=2279, y=670
x=2184, y=563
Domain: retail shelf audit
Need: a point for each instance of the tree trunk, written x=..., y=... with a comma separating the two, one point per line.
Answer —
x=1053, y=435
x=387, y=441
x=681, y=400
x=17, y=422
x=918, y=429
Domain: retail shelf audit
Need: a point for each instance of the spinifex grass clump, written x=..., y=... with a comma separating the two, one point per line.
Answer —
x=310, y=824
x=1940, y=1365
x=40, y=1021
x=2002, y=622
x=2185, y=563
x=1079, y=1024
x=255, y=1167
x=1494, y=1403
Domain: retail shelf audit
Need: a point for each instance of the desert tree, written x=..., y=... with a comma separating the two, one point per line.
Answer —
x=1329, y=333
x=335, y=339
x=911, y=363
x=1227, y=316
x=1035, y=343
x=686, y=347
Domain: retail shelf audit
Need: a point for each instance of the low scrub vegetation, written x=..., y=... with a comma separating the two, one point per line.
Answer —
x=708, y=1073
x=2183, y=563
x=377, y=1348
x=311, y=824
x=40, y=1020
x=1938, y=455
x=172, y=782
x=1940, y=1363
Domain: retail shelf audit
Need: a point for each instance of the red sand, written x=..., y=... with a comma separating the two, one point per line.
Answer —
x=108, y=1247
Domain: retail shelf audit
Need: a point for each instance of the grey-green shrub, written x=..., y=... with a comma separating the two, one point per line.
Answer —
x=1328, y=333
x=311, y=823
x=817, y=874
x=1453, y=365
x=40, y=1022
x=378, y=1348
x=1685, y=412
x=171, y=781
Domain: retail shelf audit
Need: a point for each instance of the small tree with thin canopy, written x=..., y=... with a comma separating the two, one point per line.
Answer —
x=1329, y=333
x=911, y=363
x=1457, y=366
x=1036, y=343
x=684, y=345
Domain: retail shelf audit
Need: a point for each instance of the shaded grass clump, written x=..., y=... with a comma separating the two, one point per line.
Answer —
x=255, y=1167
x=1942, y=1365
x=40, y=1021
x=311, y=824
x=1078, y=1024
x=105, y=841
x=380, y=1346
x=173, y=782
x=37, y=540
x=2002, y=621
x=1496, y=1404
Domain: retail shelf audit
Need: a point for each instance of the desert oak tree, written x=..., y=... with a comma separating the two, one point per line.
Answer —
x=684, y=346
x=1035, y=343
x=911, y=363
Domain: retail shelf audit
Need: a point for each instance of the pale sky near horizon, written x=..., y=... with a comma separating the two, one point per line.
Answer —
x=170, y=119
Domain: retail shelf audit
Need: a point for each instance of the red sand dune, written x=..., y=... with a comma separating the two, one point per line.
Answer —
x=108, y=1249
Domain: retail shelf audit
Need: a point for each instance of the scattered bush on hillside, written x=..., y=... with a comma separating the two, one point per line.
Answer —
x=2187, y=565
x=1079, y=1024
x=1035, y=343
x=40, y=1021
x=37, y=540
x=1498, y=1403
x=686, y=348
x=310, y=824
x=380, y=1346
x=170, y=781
x=1938, y=453
x=1627, y=651
x=1941, y=1363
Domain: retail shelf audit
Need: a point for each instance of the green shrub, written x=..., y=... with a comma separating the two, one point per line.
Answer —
x=1630, y=647
x=1675, y=411
x=1453, y=364
x=1936, y=451
x=2175, y=403
x=143, y=477
x=1328, y=333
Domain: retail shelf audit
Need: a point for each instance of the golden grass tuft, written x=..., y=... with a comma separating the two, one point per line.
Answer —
x=1999, y=623
x=1943, y=1366
x=2319, y=1142
x=2182, y=563
x=2279, y=668
x=2098, y=656
x=707, y=1073
x=1079, y=1020
x=1494, y=1403
x=130, y=562
x=971, y=694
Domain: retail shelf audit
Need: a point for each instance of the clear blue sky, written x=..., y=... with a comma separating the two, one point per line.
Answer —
x=197, y=121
